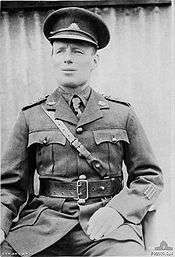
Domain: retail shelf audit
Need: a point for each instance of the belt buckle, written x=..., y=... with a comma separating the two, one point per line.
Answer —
x=80, y=182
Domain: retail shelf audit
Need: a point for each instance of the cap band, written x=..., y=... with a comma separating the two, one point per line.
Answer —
x=82, y=35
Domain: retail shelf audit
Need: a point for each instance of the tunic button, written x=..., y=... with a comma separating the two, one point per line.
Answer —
x=114, y=140
x=45, y=141
x=81, y=201
x=79, y=130
x=82, y=176
x=97, y=165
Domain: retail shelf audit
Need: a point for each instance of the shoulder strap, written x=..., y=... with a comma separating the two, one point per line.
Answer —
x=39, y=101
x=117, y=100
x=74, y=142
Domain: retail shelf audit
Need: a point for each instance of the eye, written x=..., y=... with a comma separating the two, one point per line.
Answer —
x=78, y=51
x=58, y=51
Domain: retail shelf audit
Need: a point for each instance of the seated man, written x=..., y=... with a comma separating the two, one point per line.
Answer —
x=76, y=139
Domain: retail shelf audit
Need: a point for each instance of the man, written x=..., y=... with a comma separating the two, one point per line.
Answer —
x=77, y=140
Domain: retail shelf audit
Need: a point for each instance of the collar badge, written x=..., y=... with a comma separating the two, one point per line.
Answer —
x=101, y=103
x=51, y=103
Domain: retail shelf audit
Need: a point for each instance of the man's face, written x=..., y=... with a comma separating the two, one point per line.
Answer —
x=73, y=62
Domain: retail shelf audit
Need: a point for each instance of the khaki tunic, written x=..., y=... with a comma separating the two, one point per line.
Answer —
x=111, y=132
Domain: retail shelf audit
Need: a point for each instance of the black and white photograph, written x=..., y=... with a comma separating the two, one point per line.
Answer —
x=87, y=128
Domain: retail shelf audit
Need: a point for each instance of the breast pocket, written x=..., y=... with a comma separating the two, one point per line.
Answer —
x=46, y=145
x=110, y=144
x=110, y=135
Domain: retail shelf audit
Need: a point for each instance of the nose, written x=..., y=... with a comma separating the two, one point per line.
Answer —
x=68, y=56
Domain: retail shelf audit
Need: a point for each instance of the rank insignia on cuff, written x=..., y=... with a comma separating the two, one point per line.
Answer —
x=150, y=191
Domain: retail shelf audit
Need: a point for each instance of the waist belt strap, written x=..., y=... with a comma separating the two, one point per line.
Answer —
x=80, y=189
x=74, y=142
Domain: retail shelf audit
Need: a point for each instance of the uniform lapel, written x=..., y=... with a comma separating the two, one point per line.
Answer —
x=93, y=108
x=57, y=103
x=64, y=112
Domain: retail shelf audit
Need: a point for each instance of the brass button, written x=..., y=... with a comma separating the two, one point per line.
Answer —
x=97, y=165
x=81, y=201
x=82, y=176
x=79, y=130
x=114, y=140
x=45, y=141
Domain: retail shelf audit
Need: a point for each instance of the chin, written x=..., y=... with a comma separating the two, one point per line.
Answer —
x=71, y=84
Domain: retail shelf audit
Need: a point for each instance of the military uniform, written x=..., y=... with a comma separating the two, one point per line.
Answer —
x=109, y=129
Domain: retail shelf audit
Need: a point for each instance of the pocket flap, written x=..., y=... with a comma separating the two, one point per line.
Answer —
x=30, y=219
x=46, y=138
x=110, y=135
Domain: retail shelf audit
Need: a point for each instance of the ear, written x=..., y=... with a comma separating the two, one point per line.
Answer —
x=95, y=61
x=52, y=50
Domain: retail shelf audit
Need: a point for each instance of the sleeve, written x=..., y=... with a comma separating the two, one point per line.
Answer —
x=14, y=173
x=145, y=181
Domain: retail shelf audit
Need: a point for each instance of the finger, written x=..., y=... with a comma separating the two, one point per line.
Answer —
x=100, y=231
x=90, y=227
x=98, y=234
x=110, y=229
x=91, y=237
x=96, y=237
x=93, y=225
x=104, y=230
x=96, y=222
x=95, y=228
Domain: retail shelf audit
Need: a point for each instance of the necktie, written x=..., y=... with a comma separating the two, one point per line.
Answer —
x=76, y=103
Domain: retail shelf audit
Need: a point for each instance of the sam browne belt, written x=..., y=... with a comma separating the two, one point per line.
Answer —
x=80, y=190
x=93, y=162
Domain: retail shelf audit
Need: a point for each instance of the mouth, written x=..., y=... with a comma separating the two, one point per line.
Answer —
x=68, y=70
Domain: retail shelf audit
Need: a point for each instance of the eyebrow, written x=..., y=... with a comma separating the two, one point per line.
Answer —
x=80, y=46
x=73, y=47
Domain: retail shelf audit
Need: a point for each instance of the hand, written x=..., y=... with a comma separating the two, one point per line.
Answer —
x=2, y=236
x=103, y=221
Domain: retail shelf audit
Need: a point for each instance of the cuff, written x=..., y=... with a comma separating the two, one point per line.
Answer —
x=132, y=207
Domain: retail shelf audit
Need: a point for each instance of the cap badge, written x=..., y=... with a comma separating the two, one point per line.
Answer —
x=103, y=104
x=73, y=26
x=51, y=103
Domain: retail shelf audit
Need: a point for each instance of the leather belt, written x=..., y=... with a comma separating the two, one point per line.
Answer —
x=80, y=190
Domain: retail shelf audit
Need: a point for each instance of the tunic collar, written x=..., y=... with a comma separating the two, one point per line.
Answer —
x=83, y=94
x=93, y=110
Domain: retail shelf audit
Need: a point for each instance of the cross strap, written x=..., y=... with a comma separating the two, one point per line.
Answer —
x=93, y=162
